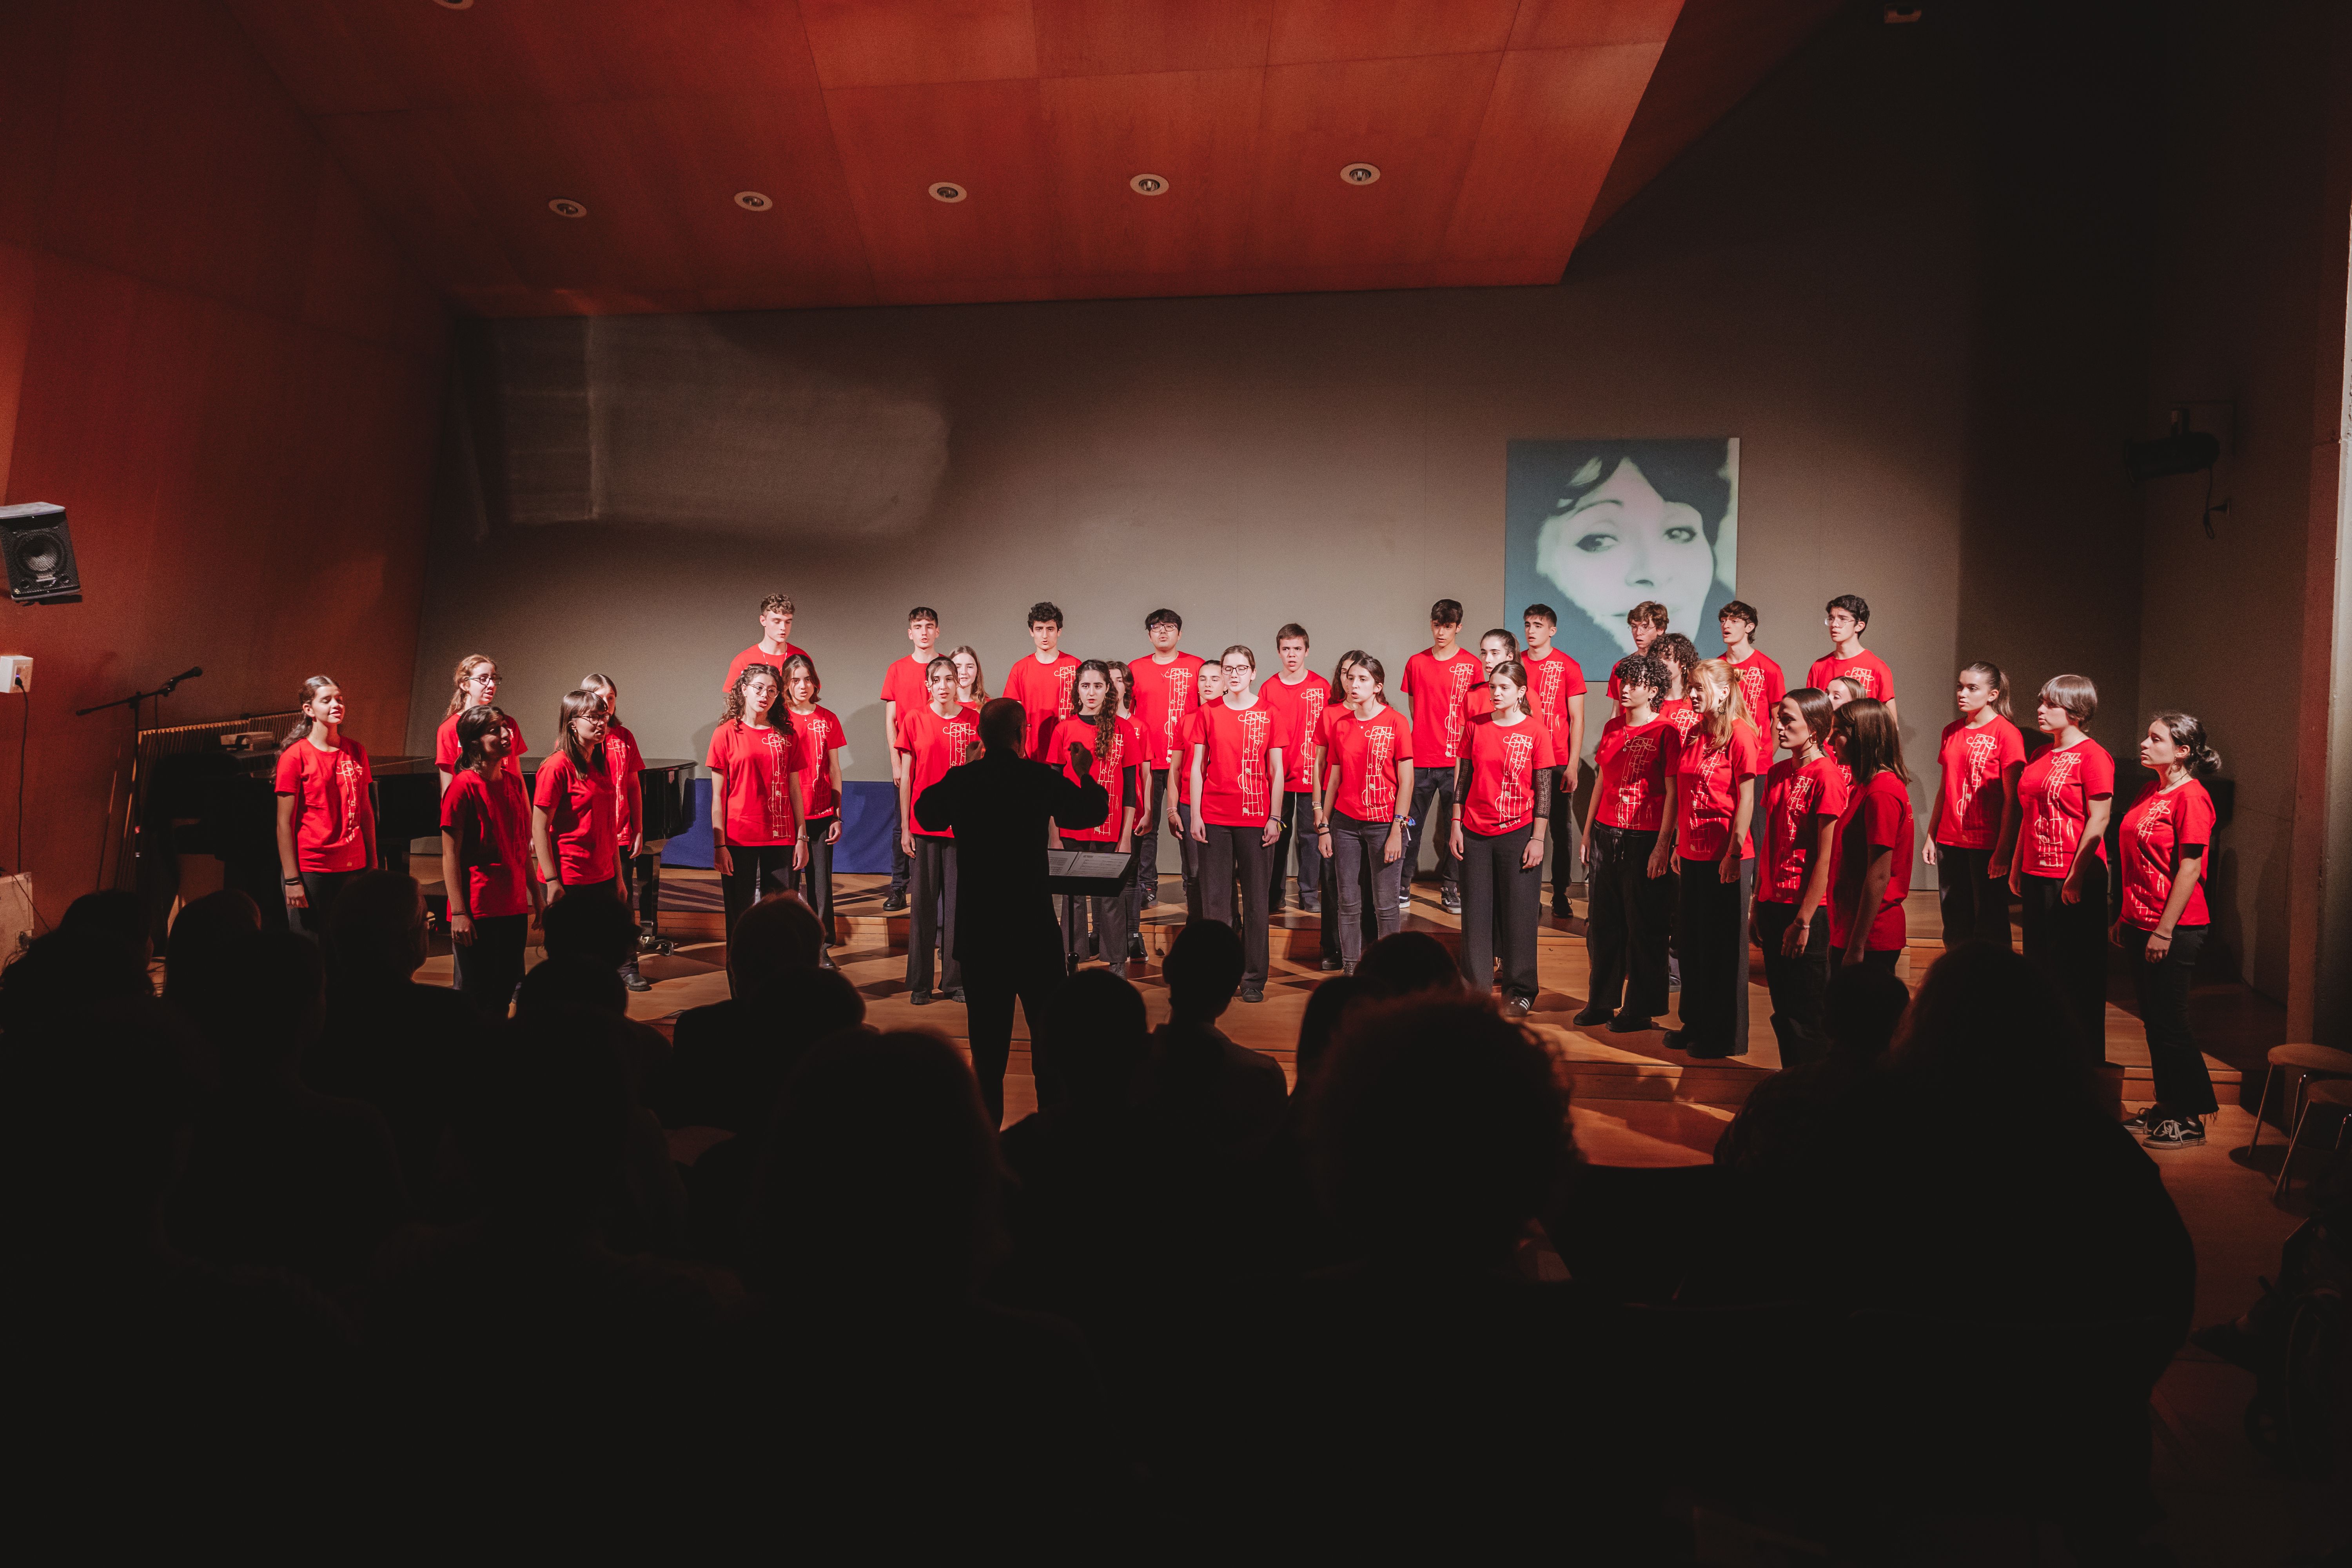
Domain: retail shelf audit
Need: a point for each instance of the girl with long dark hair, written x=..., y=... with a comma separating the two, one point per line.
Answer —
x=1147, y=827
x=2057, y=854
x=473, y=684
x=1711, y=807
x=1978, y=763
x=1631, y=908
x=1328, y=916
x=1503, y=785
x=640, y=872
x=935, y=737
x=2163, y=846
x=326, y=820
x=1804, y=795
x=1116, y=748
x=817, y=740
x=575, y=813
x=1364, y=783
x=757, y=806
x=494, y=890
x=1873, y=872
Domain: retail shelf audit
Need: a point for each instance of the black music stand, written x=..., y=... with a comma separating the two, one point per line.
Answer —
x=1101, y=873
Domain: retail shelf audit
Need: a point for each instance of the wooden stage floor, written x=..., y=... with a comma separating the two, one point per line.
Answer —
x=1636, y=1102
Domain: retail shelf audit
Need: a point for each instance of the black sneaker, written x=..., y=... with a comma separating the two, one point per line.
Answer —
x=923, y=998
x=895, y=904
x=2176, y=1133
x=1404, y=901
x=1592, y=1017
x=1332, y=964
x=1135, y=945
x=1518, y=1007
x=1631, y=1023
x=636, y=982
x=1560, y=910
x=1312, y=903
x=1252, y=993
x=1452, y=899
x=2144, y=1120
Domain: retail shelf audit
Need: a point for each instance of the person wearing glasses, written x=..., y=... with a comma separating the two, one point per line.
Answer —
x=1847, y=618
x=1238, y=778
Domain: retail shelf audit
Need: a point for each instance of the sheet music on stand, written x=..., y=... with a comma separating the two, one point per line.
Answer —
x=1100, y=872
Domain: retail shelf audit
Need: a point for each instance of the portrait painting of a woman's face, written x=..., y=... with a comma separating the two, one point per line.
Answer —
x=1595, y=528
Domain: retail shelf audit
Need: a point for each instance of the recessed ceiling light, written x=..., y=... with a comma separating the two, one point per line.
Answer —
x=753, y=200
x=454, y=5
x=1148, y=185
x=948, y=191
x=563, y=207
x=1359, y=173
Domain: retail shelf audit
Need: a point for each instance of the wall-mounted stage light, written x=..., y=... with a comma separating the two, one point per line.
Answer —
x=2180, y=450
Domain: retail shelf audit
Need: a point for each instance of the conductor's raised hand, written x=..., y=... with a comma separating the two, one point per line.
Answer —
x=1081, y=762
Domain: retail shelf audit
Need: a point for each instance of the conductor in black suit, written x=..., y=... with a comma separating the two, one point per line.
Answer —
x=1006, y=937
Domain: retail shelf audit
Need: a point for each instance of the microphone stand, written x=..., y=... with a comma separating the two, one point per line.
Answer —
x=133, y=703
x=136, y=698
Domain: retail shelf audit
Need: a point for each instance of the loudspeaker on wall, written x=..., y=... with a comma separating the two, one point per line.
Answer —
x=39, y=545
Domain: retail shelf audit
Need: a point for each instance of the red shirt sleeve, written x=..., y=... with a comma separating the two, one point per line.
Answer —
x=2098, y=772
x=1884, y=823
x=1749, y=755
x=445, y=749
x=554, y=782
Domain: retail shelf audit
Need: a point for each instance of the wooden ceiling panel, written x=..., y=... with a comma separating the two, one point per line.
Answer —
x=356, y=56
x=891, y=43
x=1310, y=30
x=1576, y=24
x=990, y=138
x=1544, y=148
x=1417, y=120
x=1196, y=130
x=1500, y=128
x=1123, y=38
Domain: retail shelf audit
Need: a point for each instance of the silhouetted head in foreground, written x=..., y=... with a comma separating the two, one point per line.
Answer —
x=1406, y=964
x=1097, y=1036
x=376, y=931
x=1864, y=1008
x=1204, y=966
x=571, y=980
x=1003, y=726
x=203, y=934
x=1319, y=1028
x=594, y=926
x=548, y=1126
x=1435, y=1131
x=1988, y=1032
x=778, y=933
x=878, y=1190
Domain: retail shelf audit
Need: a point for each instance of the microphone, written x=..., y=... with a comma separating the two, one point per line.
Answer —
x=189, y=674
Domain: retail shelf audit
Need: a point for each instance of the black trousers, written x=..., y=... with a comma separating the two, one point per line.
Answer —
x=1147, y=846
x=1883, y=960
x=1364, y=887
x=320, y=890
x=1432, y=790
x=932, y=888
x=1502, y=903
x=991, y=982
x=2183, y=1084
x=901, y=867
x=641, y=875
x=1975, y=906
x=1800, y=985
x=2070, y=943
x=1111, y=927
x=759, y=870
x=1625, y=931
x=1231, y=853
x=1562, y=838
x=490, y=966
x=813, y=881
x=1298, y=827
x=1714, y=937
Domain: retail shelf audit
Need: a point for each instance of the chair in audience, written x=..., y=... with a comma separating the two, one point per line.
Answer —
x=2333, y=1094
x=2306, y=1062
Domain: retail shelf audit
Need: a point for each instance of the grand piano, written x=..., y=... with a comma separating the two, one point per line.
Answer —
x=223, y=804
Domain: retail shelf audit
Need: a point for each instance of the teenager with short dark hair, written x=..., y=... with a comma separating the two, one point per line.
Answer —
x=1804, y=795
x=487, y=866
x=817, y=740
x=1761, y=678
x=1711, y=805
x=934, y=737
x=1847, y=617
x=1977, y=761
x=775, y=644
x=1307, y=694
x=2162, y=846
x=1631, y=909
x=756, y=804
x=1364, y=779
x=1645, y=623
x=1503, y=783
x=326, y=822
x=575, y=814
x=1236, y=769
x=1436, y=685
x=1556, y=690
x=1042, y=683
x=639, y=871
x=1115, y=747
x=903, y=690
x=473, y=684
x=1873, y=871
x=2058, y=854
x=1167, y=687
